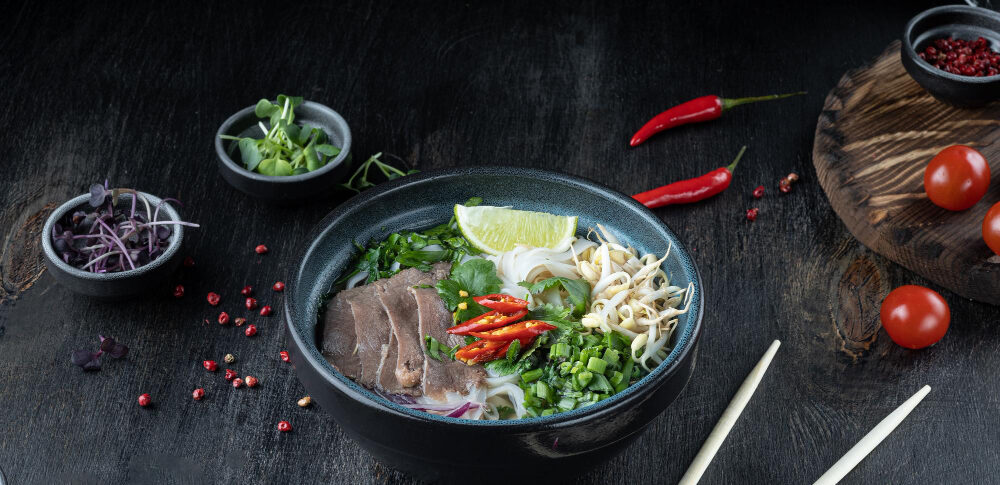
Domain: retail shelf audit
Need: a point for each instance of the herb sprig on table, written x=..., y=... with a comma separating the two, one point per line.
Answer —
x=287, y=148
x=359, y=180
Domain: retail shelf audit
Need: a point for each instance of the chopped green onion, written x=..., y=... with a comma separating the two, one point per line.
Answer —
x=596, y=365
x=532, y=375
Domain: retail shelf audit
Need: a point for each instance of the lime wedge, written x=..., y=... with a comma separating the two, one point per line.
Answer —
x=494, y=230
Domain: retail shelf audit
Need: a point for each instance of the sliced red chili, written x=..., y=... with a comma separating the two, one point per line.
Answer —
x=480, y=351
x=502, y=303
x=519, y=330
x=486, y=321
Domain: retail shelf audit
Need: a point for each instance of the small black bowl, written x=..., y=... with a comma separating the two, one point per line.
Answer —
x=123, y=283
x=436, y=448
x=961, y=22
x=289, y=188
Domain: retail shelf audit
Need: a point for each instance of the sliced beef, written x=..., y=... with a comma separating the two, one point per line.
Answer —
x=387, y=380
x=402, y=310
x=371, y=324
x=441, y=377
x=339, y=336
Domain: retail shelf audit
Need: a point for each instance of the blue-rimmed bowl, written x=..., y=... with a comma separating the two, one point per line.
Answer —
x=121, y=284
x=438, y=448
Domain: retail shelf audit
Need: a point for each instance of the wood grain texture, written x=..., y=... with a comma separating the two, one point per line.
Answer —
x=875, y=136
x=135, y=93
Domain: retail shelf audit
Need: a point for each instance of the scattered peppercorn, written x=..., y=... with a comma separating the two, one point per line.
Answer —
x=963, y=57
x=752, y=214
x=189, y=262
x=178, y=291
x=284, y=426
x=247, y=290
x=265, y=310
x=284, y=356
x=251, y=330
x=237, y=382
x=278, y=286
x=260, y=249
x=230, y=374
x=251, y=303
x=758, y=192
x=223, y=318
x=305, y=401
x=784, y=186
x=251, y=381
x=792, y=177
x=145, y=400
x=229, y=358
x=198, y=394
x=210, y=365
x=213, y=298
x=239, y=321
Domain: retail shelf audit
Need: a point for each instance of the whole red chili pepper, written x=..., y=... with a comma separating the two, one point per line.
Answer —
x=704, y=108
x=691, y=190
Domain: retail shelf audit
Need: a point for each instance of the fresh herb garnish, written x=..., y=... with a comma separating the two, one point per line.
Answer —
x=359, y=180
x=287, y=148
x=475, y=277
x=577, y=292
x=107, y=237
x=411, y=249
x=437, y=350
x=92, y=360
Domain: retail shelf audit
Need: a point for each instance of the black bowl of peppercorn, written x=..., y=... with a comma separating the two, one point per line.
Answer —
x=954, y=53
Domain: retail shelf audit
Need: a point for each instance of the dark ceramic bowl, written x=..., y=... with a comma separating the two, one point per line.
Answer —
x=438, y=448
x=123, y=283
x=289, y=188
x=961, y=22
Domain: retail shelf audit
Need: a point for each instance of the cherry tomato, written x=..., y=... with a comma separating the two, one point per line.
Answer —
x=486, y=321
x=915, y=317
x=502, y=303
x=957, y=178
x=991, y=228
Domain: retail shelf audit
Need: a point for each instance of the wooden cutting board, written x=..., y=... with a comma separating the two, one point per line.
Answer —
x=876, y=134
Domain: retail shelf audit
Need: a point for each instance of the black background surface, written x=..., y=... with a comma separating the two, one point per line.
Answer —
x=135, y=93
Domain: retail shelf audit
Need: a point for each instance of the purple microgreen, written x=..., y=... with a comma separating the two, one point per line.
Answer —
x=113, y=348
x=103, y=238
x=98, y=193
x=86, y=359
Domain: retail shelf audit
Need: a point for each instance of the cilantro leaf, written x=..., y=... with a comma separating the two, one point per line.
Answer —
x=504, y=367
x=577, y=291
x=476, y=277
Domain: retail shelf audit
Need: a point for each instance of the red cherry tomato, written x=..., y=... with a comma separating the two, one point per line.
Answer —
x=957, y=178
x=991, y=228
x=915, y=317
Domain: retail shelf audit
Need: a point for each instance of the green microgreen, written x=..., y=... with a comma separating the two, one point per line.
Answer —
x=287, y=148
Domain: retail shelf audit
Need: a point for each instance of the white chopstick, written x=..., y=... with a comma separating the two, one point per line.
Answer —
x=728, y=419
x=871, y=440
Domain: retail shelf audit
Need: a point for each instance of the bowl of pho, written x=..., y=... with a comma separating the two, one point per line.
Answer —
x=534, y=315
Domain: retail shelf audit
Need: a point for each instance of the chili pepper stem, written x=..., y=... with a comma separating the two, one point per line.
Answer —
x=732, y=166
x=728, y=103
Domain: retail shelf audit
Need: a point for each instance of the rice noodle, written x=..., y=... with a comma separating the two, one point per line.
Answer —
x=525, y=263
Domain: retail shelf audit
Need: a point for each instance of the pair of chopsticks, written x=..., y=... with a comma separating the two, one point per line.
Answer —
x=742, y=397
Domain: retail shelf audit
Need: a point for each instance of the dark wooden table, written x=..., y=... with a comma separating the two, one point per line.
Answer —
x=135, y=94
